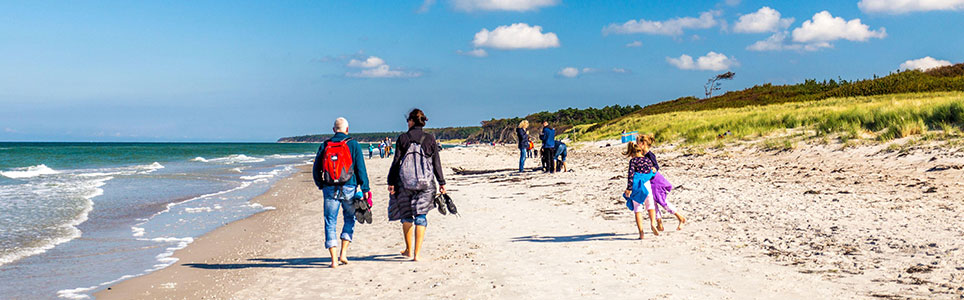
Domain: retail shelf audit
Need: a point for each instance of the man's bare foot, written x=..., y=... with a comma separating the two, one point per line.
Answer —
x=682, y=220
x=343, y=260
x=659, y=225
x=406, y=253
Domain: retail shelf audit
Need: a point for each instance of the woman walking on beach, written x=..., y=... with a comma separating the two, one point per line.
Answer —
x=339, y=172
x=412, y=179
x=522, y=133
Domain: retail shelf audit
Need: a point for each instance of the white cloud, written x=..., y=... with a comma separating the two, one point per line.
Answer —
x=905, y=6
x=383, y=71
x=764, y=20
x=672, y=27
x=778, y=42
x=510, y=5
x=516, y=36
x=733, y=2
x=712, y=61
x=569, y=72
x=474, y=52
x=375, y=67
x=825, y=28
x=634, y=44
x=426, y=5
x=370, y=62
x=572, y=72
x=924, y=64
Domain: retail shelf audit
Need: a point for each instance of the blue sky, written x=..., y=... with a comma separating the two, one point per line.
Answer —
x=256, y=71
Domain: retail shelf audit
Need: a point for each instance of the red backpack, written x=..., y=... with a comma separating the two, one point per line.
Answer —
x=336, y=165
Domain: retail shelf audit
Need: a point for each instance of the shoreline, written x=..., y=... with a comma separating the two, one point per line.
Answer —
x=757, y=229
x=207, y=246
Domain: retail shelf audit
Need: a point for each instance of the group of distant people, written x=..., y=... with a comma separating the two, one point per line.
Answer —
x=384, y=148
x=415, y=178
x=553, y=152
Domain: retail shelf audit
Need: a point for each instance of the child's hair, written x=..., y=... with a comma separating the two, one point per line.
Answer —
x=640, y=146
x=524, y=124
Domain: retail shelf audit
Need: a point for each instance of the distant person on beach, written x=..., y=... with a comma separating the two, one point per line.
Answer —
x=339, y=171
x=561, y=152
x=548, y=137
x=371, y=149
x=412, y=179
x=522, y=134
x=530, y=145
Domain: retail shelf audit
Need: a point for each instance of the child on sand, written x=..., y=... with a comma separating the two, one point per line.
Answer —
x=639, y=189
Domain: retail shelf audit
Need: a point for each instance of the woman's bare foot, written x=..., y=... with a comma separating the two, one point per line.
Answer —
x=415, y=258
x=682, y=220
x=659, y=225
x=641, y=235
x=343, y=260
x=655, y=230
x=333, y=265
x=406, y=253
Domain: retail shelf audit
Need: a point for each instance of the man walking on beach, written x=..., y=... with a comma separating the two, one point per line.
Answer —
x=339, y=172
x=548, y=137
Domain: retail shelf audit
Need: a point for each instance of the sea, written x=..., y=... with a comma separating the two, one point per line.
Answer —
x=78, y=217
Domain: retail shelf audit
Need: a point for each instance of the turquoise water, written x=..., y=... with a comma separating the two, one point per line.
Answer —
x=76, y=217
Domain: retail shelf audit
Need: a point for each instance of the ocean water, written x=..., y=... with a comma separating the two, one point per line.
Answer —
x=76, y=217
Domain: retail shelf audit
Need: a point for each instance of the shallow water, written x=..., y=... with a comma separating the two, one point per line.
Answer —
x=75, y=217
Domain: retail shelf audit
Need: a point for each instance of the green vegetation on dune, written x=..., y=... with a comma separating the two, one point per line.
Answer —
x=849, y=108
x=883, y=117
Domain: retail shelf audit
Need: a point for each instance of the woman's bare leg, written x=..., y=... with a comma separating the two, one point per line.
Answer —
x=419, y=237
x=639, y=224
x=652, y=221
x=407, y=232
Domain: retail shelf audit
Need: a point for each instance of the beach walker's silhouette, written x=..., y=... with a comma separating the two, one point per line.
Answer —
x=574, y=238
x=291, y=263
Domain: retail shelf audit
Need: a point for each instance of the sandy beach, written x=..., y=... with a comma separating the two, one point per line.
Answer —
x=812, y=223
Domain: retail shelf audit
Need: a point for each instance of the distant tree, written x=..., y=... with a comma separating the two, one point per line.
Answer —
x=714, y=83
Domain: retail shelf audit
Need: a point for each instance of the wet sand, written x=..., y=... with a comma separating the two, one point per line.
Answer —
x=815, y=222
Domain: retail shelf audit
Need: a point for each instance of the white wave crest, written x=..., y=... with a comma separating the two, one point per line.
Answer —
x=27, y=172
x=230, y=159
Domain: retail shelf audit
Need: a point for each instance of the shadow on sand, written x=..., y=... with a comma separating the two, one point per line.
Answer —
x=294, y=263
x=576, y=238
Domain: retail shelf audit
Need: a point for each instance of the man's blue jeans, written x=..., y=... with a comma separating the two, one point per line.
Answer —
x=338, y=197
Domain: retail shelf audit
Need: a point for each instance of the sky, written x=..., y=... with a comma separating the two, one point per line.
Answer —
x=260, y=70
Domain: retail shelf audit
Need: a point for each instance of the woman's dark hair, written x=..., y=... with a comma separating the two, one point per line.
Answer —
x=417, y=117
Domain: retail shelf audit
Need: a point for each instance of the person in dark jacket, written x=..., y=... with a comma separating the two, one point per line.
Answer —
x=410, y=206
x=340, y=196
x=522, y=133
x=548, y=137
x=560, y=159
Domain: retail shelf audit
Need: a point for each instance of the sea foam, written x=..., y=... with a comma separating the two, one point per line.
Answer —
x=27, y=172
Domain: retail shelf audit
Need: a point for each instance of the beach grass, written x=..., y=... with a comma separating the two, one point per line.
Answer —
x=935, y=116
